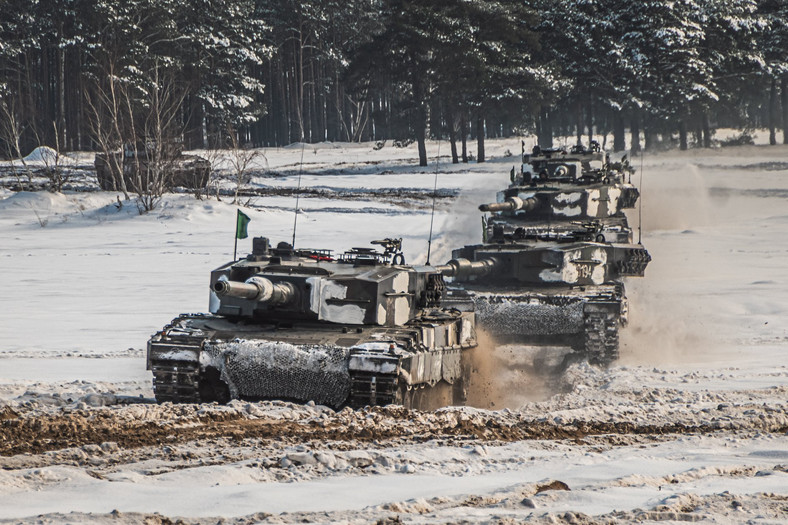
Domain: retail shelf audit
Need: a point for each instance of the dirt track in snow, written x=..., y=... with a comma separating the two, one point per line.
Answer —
x=35, y=433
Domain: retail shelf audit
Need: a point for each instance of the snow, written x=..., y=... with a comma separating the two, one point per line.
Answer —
x=47, y=156
x=89, y=280
x=599, y=482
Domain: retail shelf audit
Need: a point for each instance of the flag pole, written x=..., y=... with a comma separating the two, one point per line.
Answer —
x=235, y=244
x=241, y=222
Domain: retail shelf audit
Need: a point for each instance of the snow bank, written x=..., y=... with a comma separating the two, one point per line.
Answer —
x=49, y=157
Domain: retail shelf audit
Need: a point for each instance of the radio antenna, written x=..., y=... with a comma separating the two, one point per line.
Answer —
x=640, y=203
x=434, y=192
x=298, y=189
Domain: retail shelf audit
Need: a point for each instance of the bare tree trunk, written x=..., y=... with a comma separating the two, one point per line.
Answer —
x=453, y=137
x=421, y=122
x=619, y=133
x=579, y=122
x=706, y=130
x=61, y=125
x=697, y=134
x=544, y=135
x=683, y=135
x=479, y=138
x=421, y=140
x=773, y=113
x=27, y=112
x=648, y=135
x=634, y=129
x=464, y=133
x=284, y=110
x=784, y=101
x=590, y=120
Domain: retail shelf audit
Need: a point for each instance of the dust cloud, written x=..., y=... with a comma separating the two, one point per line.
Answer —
x=460, y=227
x=505, y=376
x=673, y=316
x=664, y=329
x=672, y=198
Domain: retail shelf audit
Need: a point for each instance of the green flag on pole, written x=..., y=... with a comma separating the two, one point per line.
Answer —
x=240, y=226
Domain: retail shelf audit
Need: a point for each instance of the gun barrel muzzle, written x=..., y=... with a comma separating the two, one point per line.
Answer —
x=256, y=288
x=461, y=269
x=235, y=289
x=511, y=204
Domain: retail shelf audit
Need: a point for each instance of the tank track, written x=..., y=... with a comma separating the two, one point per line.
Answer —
x=601, y=337
x=176, y=382
x=370, y=389
x=376, y=389
x=179, y=382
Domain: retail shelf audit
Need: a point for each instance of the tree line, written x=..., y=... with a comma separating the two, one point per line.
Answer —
x=95, y=74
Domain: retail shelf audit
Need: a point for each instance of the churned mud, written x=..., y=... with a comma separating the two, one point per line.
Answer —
x=33, y=432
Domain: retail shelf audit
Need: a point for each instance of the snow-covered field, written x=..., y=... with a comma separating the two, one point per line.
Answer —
x=690, y=425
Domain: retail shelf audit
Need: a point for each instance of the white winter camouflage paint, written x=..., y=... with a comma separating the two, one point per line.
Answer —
x=324, y=290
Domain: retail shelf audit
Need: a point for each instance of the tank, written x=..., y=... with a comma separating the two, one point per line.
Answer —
x=556, y=190
x=543, y=291
x=561, y=248
x=187, y=171
x=359, y=329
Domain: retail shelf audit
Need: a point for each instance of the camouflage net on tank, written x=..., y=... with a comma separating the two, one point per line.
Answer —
x=275, y=370
x=529, y=315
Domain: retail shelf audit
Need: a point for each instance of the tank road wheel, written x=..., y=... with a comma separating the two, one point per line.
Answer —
x=176, y=381
x=601, y=338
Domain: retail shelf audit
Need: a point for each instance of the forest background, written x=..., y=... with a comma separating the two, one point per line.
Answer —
x=96, y=74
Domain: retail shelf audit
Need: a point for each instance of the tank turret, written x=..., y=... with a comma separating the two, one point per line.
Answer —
x=578, y=164
x=556, y=188
x=570, y=203
x=548, y=263
x=359, y=287
x=355, y=329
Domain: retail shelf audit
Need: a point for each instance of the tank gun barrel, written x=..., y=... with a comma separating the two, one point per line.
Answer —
x=256, y=288
x=511, y=204
x=463, y=268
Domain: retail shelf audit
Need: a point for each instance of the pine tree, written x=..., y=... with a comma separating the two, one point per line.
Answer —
x=581, y=40
x=473, y=56
x=730, y=47
x=486, y=61
x=773, y=43
x=667, y=75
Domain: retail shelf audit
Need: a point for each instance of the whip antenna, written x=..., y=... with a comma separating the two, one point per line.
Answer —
x=434, y=192
x=640, y=203
x=298, y=189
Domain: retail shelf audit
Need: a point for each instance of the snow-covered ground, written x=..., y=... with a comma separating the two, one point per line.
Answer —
x=689, y=425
